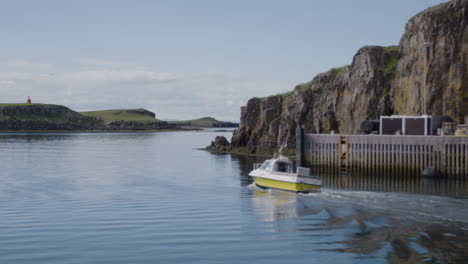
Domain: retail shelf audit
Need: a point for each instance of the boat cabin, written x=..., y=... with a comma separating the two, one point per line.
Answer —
x=283, y=165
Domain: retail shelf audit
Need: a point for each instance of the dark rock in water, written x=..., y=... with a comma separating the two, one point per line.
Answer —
x=220, y=141
x=430, y=173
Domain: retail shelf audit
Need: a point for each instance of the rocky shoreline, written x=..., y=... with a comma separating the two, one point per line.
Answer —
x=221, y=145
x=32, y=126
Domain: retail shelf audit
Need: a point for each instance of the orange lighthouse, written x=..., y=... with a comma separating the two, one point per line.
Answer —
x=29, y=100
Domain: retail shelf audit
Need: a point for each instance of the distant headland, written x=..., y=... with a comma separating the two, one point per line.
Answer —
x=32, y=117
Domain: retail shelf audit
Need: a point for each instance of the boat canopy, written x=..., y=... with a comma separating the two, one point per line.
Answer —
x=281, y=164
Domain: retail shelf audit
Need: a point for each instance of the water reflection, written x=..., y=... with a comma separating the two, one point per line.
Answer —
x=245, y=165
x=32, y=137
x=273, y=205
x=73, y=200
x=39, y=138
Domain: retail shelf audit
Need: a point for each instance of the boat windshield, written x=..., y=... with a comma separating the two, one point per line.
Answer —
x=283, y=167
x=265, y=165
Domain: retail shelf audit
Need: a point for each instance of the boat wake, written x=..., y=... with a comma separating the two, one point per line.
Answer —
x=415, y=206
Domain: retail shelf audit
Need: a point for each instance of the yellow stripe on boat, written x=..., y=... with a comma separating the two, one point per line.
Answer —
x=289, y=186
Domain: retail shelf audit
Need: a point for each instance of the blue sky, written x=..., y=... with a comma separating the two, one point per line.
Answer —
x=183, y=59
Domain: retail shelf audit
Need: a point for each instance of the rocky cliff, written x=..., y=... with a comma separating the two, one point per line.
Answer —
x=379, y=81
x=336, y=100
x=434, y=48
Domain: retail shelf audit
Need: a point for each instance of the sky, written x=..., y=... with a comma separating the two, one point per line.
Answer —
x=183, y=59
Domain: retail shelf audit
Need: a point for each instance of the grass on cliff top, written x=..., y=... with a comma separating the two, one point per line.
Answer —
x=441, y=12
x=281, y=95
x=390, y=49
x=109, y=116
x=335, y=71
x=339, y=70
x=304, y=86
x=392, y=53
x=204, y=121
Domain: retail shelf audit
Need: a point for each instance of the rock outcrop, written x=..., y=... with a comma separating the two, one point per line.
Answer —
x=336, y=100
x=380, y=81
x=133, y=125
x=220, y=141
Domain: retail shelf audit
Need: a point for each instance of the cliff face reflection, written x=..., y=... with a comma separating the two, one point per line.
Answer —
x=375, y=220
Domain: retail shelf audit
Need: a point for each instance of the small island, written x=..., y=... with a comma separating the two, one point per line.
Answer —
x=205, y=122
x=35, y=117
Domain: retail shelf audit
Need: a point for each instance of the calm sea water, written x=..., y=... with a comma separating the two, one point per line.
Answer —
x=155, y=198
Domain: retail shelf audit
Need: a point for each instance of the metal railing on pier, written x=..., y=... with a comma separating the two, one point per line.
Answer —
x=387, y=155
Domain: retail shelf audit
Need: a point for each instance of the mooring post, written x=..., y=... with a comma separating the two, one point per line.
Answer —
x=300, y=146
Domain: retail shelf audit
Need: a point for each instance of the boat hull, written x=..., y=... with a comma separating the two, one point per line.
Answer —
x=283, y=185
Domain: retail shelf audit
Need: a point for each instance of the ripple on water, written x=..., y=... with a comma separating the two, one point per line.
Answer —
x=121, y=198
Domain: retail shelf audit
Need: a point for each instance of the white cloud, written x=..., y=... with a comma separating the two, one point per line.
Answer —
x=168, y=95
x=112, y=76
x=108, y=64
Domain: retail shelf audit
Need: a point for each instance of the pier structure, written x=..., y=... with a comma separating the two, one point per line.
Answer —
x=384, y=155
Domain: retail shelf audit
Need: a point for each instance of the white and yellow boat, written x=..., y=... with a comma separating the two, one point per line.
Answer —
x=278, y=173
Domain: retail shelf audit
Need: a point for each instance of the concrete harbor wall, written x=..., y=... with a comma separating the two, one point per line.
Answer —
x=384, y=155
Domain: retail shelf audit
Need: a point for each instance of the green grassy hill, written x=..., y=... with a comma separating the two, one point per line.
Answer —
x=45, y=117
x=137, y=115
x=38, y=112
x=205, y=122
